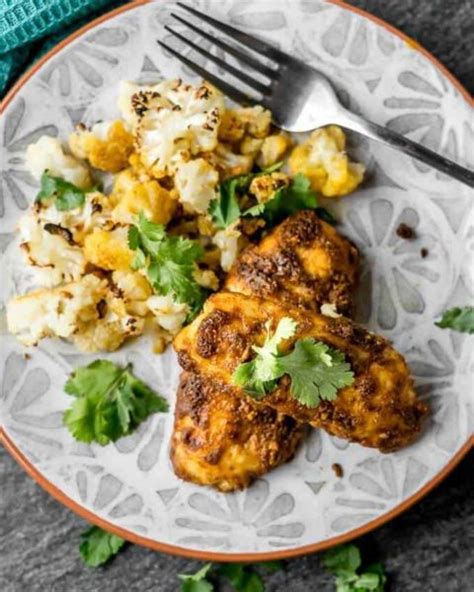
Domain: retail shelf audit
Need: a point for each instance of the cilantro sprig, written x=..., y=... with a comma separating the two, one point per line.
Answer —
x=459, y=319
x=98, y=546
x=242, y=577
x=344, y=562
x=169, y=262
x=198, y=581
x=317, y=371
x=66, y=195
x=109, y=402
x=225, y=210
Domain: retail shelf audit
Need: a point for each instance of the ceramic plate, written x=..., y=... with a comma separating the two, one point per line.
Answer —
x=130, y=486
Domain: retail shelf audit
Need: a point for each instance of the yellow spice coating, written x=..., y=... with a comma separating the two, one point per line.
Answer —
x=108, y=250
x=380, y=409
x=323, y=160
x=111, y=154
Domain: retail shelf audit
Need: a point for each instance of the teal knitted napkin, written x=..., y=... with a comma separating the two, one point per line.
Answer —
x=24, y=22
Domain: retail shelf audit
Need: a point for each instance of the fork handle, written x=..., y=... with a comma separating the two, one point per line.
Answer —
x=388, y=137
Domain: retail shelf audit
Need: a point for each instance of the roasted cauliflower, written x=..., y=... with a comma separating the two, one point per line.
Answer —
x=133, y=196
x=323, y=160
x=107, y=146
x=196, y=182
x=184, y=123
x=108, y=250
x=50, y=249
x=56, y=312
x=47, y=154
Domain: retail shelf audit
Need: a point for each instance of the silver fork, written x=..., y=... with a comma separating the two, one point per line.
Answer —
x=300, y=97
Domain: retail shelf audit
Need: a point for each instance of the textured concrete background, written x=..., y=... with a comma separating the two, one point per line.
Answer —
x=427, y=549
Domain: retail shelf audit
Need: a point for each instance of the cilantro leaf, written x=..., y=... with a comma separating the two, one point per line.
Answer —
x=66, y=195
x=170, y=262
x=225, y=209
x=316, y=371
x=344, y=561
x=258, y=376
x=242, y=577
x=98, y=546
x=109, y=402
x=197, y=582
x=458, y=319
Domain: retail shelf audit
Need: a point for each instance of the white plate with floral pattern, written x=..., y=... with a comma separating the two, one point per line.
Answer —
x=129, y=486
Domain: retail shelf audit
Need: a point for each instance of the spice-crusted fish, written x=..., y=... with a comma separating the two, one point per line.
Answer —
x=380, y=409
x=303, y=261
x=226, y=440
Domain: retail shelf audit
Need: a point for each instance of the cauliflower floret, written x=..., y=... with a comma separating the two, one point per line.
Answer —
x=57, y=311
x=77, y=222
x=113, y=327
x=133, y=197
x=228, y=242
x=51, y=250
x=207, y=279
x=196, y=182
x=170, y=315
x=323, y=160
x=251, y=146
x=232, y=127
x=273, y=149
x=134, y=98
x=108, y=250
x=185, y=123
x=256, y=120
x=134, y=289
x=107, y=146
x=231, y=164
x=47, y=155
x=264, y=186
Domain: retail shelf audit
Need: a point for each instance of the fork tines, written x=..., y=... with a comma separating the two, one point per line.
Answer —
x=261, y=48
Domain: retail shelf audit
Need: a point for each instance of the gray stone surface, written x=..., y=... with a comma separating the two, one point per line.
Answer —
x=427, y=549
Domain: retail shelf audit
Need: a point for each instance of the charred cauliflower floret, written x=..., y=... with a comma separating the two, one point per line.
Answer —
x=112, y=327
x=196, y=182
x=47, y=154
x=55, y=312
x=108, y=250
x=76, y=223
x=232, y=127
x=323, y=160
x=257, y=120
x=134, y=289
x=107, y=146
x=51, y=250
x=264, y=186
x=133, y=196
x=183, y=124
x=254, y=121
